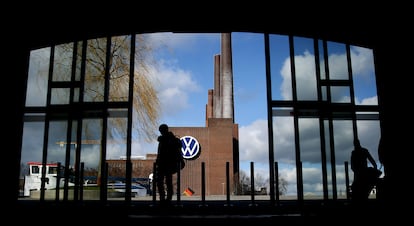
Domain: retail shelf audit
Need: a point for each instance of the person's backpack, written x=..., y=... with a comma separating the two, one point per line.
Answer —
x=179, y=153
x=175, y=142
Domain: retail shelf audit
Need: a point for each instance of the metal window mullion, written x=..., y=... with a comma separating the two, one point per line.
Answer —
x=270, y=120
x=70, y=124
x=299, y=179
x=79, y=119
x=47, y=123
x=103, y=169
x=321, y=122
x=129, y=119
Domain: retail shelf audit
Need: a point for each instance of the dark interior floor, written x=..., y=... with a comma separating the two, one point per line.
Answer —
x=191, y=212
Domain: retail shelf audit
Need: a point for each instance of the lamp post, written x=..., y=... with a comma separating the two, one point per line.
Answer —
x=62, y=143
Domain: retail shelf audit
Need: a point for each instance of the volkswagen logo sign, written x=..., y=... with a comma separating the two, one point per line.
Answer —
x=191, y=147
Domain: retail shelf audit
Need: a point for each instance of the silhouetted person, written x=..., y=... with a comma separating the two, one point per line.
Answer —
x=365, y=177
x=169, y=152
x=383, y=159
x=382, y=155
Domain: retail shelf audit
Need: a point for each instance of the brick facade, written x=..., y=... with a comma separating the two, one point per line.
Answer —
x=218, y=145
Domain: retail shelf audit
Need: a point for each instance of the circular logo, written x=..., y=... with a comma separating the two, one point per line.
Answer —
x=191, y=147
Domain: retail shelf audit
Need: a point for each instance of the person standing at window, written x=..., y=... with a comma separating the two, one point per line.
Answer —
x=364, y=176
x=169, y=154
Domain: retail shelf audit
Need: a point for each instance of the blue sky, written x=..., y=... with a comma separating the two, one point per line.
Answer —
x=190, y=66
x=185, y=73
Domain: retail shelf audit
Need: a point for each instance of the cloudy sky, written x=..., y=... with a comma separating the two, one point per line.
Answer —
x=185, y=74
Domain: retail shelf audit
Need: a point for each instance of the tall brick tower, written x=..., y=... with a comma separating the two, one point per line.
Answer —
x=218, y=141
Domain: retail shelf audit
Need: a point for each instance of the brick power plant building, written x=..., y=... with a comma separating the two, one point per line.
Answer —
x=215, y=146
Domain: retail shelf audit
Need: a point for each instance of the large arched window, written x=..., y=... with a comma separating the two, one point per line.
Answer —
x=92, y=101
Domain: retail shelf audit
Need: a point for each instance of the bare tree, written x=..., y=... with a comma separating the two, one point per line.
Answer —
x=112, y=57
x=260, y=182
x=146, y=106
x=282, y=185
x=244, y=182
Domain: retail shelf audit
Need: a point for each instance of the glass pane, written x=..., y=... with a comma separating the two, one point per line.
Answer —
x=249, y=75
x=305, y=69
x=119, y=72
x=76, y=94
x=68, y=163
x=284, y=152
x=78, y=62
x=115, y=157
x=338, y=66
x=369, y=136
x=60, y=96
x=55, y=154
x=250, y=98
x=91, y=154
x=328, y=155
x=321, y=60
x=32, y=149
x=343, y=140
x=310, y=149
x=340, y=94
x=95, y=70
x=363, y=70
x=324, y=93
x=151, y=80
x=62, y=65
x=281, y=73
x=38, y=77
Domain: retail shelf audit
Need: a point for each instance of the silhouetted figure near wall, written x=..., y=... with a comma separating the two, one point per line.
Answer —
x=365, y=177
x=169, y=154
x=381, y=186
x=382, y=154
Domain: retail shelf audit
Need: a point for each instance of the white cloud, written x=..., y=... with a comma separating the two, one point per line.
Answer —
x=174, y=88
x=368, y=101
x=286, y=85
x=305, y=76
x=362, y=61
x=253, y=142
x=362, y=67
